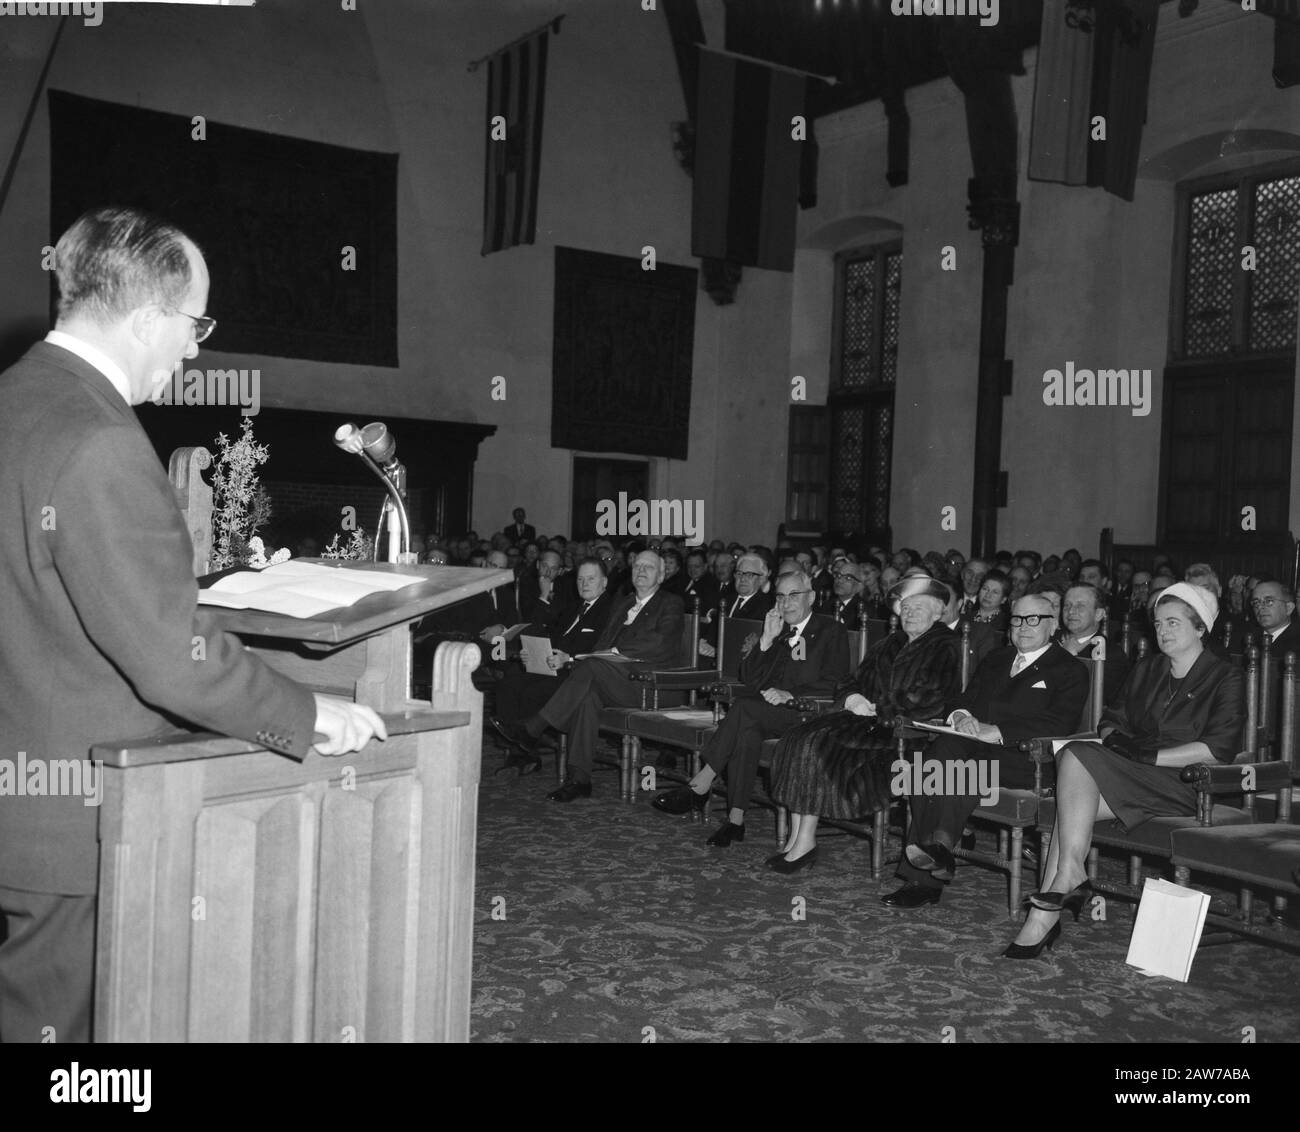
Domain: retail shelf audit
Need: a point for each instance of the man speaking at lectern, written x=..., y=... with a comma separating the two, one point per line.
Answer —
x=102, y=639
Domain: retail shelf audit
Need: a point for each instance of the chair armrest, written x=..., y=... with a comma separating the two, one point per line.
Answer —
x=811, y=705
x=1039, y=749
x=675, y=679
x=1216, y=779
x=724, y=691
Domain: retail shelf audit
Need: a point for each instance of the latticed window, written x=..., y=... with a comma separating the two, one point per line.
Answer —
x=1230, y=383
x=1241, y=256
x=864, y=369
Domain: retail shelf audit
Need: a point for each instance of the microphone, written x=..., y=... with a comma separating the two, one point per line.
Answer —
x=380, y=445
x=378, y=450
x=348, y=437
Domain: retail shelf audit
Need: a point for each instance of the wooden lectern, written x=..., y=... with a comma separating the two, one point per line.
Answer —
x=245, y=896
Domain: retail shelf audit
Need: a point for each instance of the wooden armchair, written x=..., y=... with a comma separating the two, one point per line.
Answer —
x=1264, y=855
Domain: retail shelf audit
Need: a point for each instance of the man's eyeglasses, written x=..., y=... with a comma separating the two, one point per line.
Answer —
x=1030, y=619
x=1257, y=602
x=203, y=325
x=792, y=594
x=748, y=574
x=845, y=574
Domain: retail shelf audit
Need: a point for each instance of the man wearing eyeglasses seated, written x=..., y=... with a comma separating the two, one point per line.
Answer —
x=800, y=653
x=1030, y=687
x=747, y=600
x=844, y=602
x=1274, y=608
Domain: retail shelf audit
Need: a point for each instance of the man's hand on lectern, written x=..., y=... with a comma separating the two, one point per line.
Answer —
x=346, y=726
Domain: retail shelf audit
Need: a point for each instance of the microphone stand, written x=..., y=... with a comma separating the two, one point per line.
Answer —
x=392, y=474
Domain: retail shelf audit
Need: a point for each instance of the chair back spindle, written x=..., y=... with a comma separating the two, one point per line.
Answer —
x=1287, y=743
x=965, y=654
x=1252, y=701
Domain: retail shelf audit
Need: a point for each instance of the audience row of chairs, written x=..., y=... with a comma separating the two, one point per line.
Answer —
x=1242, y=832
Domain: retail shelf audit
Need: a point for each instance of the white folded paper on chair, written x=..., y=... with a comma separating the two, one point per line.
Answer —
x=301, y=589
x=1167, y=929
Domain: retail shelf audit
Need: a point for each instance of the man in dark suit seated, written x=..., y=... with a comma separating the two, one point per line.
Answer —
x=699, y=583
x=1274, y=607
x=573, y=627
x=800, y=653
x=519, y=532
x=646, y=626
x=546, y=582
x=1084, y=611
x=748, y=600
x=1031, y=687
x=97, y=589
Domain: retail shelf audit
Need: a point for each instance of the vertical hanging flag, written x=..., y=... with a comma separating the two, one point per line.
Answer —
x=516, y=94
x=1094, y=68
x=746, y=162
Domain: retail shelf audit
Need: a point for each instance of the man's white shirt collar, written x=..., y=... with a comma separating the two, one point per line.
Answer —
x=797, y=631
x=1030, y=657
x=93, y=356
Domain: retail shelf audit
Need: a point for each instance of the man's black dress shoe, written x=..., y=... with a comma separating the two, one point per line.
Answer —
x=679, y=800
x=912, y=895
x=728, y=833
x=569, y=791
x=933, y=857
x=515, y=734
x=781, y=865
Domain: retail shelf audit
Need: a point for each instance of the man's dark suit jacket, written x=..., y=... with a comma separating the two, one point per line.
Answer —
x=1113, y=675
x=512, y=533
x=654, y=637
x=557, y=623
x=101, y=630
x=753, y=608
x=564, y=592
x=849, y=618
x=825, y=660
x=706, y=589
x=1047, y=698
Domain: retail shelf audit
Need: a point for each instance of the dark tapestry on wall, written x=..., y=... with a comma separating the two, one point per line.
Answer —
x=273, y=215
x=621, y=366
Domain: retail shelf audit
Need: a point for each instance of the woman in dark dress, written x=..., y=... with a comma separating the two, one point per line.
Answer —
x=1180, y=706
x=993, y=607
x=838, y=765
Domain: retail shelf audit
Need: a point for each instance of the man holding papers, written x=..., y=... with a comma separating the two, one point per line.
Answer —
x=646, y=625
x=102, y=637
x=571, y=628
x=1031, y=687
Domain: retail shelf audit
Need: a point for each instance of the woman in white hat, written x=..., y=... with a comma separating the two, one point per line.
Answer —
x=1180, y=706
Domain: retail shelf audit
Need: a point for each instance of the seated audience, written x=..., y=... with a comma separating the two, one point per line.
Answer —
x=1031, y=687
x=646, y=626
x=699, y=583
x=838, y=765
x=799, y=653
x=746, y=600
x=992, y=608
x=972, y=577
x=1181, y=705
x=844, y=602
x=675, y=578
x=1084, y=614
x=1019, y=579
x=1274, y=606
x=1093, y=572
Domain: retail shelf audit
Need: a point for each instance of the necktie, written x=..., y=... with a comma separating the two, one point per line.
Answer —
x=736, y=605
x=1019, y=665
x=586, y=605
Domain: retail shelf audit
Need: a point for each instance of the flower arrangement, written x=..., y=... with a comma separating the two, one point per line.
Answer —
x=240, y=505
x=359, y=548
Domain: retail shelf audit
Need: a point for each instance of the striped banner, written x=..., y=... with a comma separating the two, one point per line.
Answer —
x=516, y=93
x=746, y=162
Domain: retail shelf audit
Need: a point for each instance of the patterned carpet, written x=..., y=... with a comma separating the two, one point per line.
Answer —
x=600, y=921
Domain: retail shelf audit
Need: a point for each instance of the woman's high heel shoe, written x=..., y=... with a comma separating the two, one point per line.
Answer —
x=1033, y=951
x=1071, y=902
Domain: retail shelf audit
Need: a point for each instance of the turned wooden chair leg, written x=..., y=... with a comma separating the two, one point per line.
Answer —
x=879, y=827
x=782, y=826
x=562, y=758
x=1013, y=866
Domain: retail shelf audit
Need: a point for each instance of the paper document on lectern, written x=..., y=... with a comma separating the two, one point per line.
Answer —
x=301, y=589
